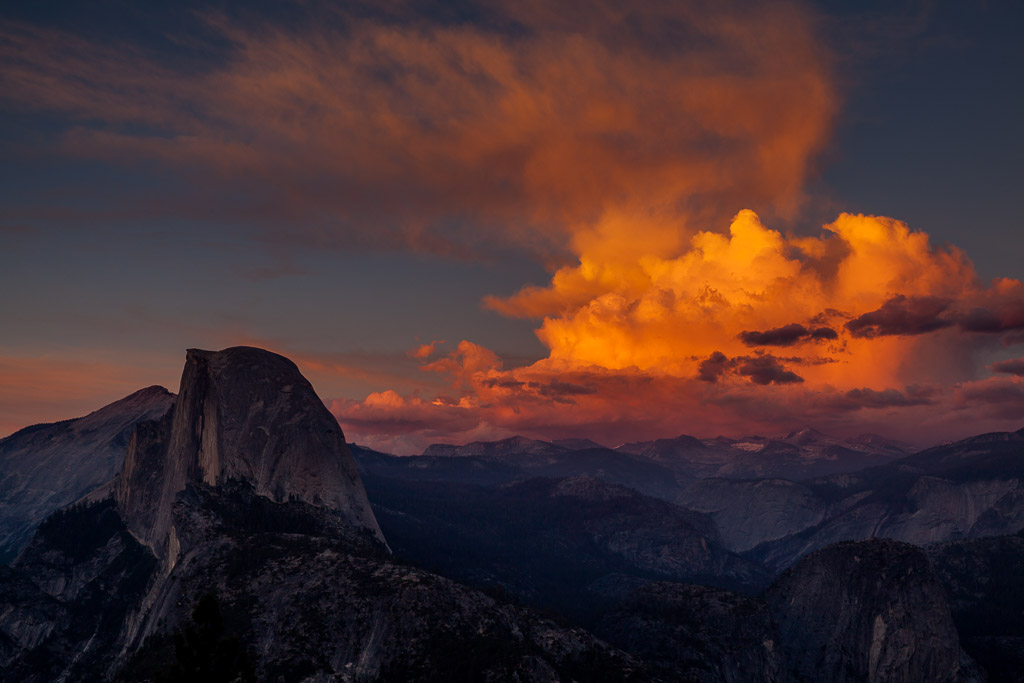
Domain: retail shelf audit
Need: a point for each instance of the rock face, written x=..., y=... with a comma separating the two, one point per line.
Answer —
x=551, y=542
x=45, y=467
x=867, y=611
x=969, y=489
x=982, y=578
x=710, y=634
x=307, y=597
x=242, y=414
x=751, y=512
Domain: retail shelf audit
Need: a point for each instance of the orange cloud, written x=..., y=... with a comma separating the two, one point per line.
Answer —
x=879, y=329
x=618, y=140
x=424, y=351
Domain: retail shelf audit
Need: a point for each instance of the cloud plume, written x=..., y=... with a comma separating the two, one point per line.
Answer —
x=542, y=125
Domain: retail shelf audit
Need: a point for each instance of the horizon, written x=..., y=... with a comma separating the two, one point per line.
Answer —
x=467, y=223
x=784, y=435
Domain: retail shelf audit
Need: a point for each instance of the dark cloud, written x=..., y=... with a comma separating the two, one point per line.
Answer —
x=1010, y=367
x=713, y=367
x=787, y=335
x=501, y=382
x=558, y=389
x=887, y=398
x=824, y=333
x=1009, y=316
x=761, y=369
x=767, y=370
x=902, y=315
x=1002, y=398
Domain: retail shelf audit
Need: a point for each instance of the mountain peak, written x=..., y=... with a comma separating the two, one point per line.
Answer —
x=242, y=414
x=513, y=445
x=805, y=434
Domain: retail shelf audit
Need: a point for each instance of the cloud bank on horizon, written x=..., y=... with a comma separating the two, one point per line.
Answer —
x=632, y=149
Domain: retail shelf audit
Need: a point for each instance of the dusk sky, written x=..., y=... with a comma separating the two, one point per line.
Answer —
x=466, y=220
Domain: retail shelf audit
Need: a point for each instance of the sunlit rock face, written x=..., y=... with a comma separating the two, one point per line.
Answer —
x=242, y=414
x=867, y=611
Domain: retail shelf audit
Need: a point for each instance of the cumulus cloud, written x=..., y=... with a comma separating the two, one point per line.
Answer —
x=665, y=343
x=619, y=143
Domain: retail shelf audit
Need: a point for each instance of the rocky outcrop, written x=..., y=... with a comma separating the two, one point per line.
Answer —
x=969, y=489
x=748, y=513
x=47, y=466
x=982, y=578
x=66, y=601
x=867, y=611
x=696, y=632
x=548, y=541
x=307, y=597
x=242, y=414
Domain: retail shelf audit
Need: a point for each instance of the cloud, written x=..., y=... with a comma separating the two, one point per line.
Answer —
x=997, y=397
x=855, y=399
x=632, y=147
x=662, y=344
x=902, y=315
x=1011, y=367
x=1000, y=309
x=536, y=125
x=767, y=370
x=713, y=367
x=787, y=335
x=424, y=351
x=760, y=369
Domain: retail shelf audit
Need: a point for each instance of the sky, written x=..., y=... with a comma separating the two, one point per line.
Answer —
x=466, y=221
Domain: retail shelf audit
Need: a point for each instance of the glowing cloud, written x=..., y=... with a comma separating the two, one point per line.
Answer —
x=880, y=325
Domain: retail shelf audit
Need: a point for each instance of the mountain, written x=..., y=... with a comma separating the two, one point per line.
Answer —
x=748, y=513
x=709, y=633
x=799, y=455
x=867, y=611
x=552, y=462
x=511, y=446
x=982, y=579
x=297, y=593
x=48, y=466
x=969, y=489
x=545, y=541
x=241, y=540
x=803, y=454
x=242, y=414
x=238, y=539
x=577, y=444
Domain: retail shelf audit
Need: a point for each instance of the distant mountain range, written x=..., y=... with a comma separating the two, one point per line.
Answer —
x=229, y=531
x=801, y=454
